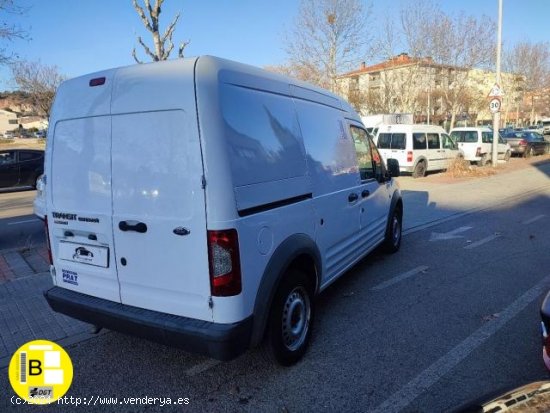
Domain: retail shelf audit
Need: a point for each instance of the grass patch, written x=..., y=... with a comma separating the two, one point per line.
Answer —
x=459, y=168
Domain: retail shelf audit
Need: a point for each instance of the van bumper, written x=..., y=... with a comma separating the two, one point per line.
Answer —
x=219, y=341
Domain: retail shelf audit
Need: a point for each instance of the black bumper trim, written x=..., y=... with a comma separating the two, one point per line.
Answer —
x=220, y=341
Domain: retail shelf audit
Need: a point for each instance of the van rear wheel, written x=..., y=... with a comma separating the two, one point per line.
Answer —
x=482, y=161
x=291, y=318
x=419, y=170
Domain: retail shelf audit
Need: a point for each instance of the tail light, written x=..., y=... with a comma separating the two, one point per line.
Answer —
x=409, y=156
x=522, y=142
x=48, y=239
x=478, y=151
x=224, y=263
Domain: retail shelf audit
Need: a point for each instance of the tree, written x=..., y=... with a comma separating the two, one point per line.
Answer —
x=328, y=38
x=39, y=81
x=450, y=45
x=531, y=62
x=163, y=44
x=9, y=32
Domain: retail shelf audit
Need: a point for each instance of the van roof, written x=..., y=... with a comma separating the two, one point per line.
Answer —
x=472, y=128
x=224, y=69
x=411, y=128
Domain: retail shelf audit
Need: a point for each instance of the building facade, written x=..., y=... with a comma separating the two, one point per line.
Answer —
x=437, y=94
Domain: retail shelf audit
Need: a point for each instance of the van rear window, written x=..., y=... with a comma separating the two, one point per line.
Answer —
x=391, y=141
x=464, y=136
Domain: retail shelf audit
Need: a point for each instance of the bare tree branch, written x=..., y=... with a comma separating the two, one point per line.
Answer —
x=163, y=45
x=327, y=38
x=39, y=81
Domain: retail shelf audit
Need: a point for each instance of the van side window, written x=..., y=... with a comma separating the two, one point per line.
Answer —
x=433, y=140
x=419, y=141
x=379, y=166
x=363, y=151
x=487, y=137
x=447, y=142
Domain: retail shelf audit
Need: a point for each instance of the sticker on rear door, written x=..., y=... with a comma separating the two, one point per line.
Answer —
x=69, y=277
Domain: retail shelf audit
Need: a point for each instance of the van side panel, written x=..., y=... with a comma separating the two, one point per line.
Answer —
x=264, y=146
x=335, y=178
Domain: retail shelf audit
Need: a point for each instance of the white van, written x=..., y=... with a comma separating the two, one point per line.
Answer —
x=417, y=148
x=476, y=144
x=204, y=203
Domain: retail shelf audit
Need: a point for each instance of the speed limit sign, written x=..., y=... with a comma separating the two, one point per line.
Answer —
x=494, y=105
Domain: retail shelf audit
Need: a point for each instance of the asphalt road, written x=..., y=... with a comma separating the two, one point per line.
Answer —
x=452, y=316
x=19, y=228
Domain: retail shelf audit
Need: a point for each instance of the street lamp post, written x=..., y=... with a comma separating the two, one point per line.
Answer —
x=496, y=116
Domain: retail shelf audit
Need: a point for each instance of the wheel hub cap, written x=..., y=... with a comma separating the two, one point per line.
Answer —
x=296, y=314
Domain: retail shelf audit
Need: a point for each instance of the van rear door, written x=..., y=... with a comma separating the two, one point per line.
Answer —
x=79, y=205
x=159, y=220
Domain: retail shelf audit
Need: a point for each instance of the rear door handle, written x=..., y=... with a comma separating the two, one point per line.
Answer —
x=353, y=197
x=140, y=227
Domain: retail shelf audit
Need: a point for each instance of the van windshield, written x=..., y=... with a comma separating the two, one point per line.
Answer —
x=391, y=141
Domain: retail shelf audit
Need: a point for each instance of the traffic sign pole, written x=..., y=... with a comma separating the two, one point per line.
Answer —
x=496, y=116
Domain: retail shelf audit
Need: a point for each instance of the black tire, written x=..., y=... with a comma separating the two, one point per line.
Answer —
x=528, y=152
x=291, y=318
x=507, y=156
x=419, y=170
x=392, y=241
x=482, y=161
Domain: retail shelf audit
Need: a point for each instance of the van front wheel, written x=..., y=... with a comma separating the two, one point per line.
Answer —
x=419, y=170
x=291, y=318
x=392, y=241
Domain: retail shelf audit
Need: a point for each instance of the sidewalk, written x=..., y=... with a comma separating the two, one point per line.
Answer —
x=24, y=313
x=24, y=274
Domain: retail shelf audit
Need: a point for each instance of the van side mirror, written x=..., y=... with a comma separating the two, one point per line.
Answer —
x=393, y=167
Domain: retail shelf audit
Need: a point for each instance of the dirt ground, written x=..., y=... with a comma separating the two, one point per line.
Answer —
x=475, y=172
x=23, y=143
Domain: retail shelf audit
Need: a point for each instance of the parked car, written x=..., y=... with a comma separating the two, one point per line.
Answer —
x=244, y=219
x=476, y=144
x=39, y=203
x=527, y=144
x=40, y=134
x=20, y=167
x=9, y=134
x=535, y=128
x=417, y=148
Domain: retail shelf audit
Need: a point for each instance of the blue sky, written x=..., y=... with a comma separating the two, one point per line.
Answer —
x=82, y=36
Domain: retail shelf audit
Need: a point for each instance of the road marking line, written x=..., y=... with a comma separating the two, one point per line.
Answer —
x=421, y=383
x=201, y=367
x=482, y=241
x=400, y=277
x=23, y=222
x=530, y=221
x=441, y=236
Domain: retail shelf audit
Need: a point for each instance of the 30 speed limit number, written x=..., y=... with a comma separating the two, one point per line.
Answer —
x=494, y=105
